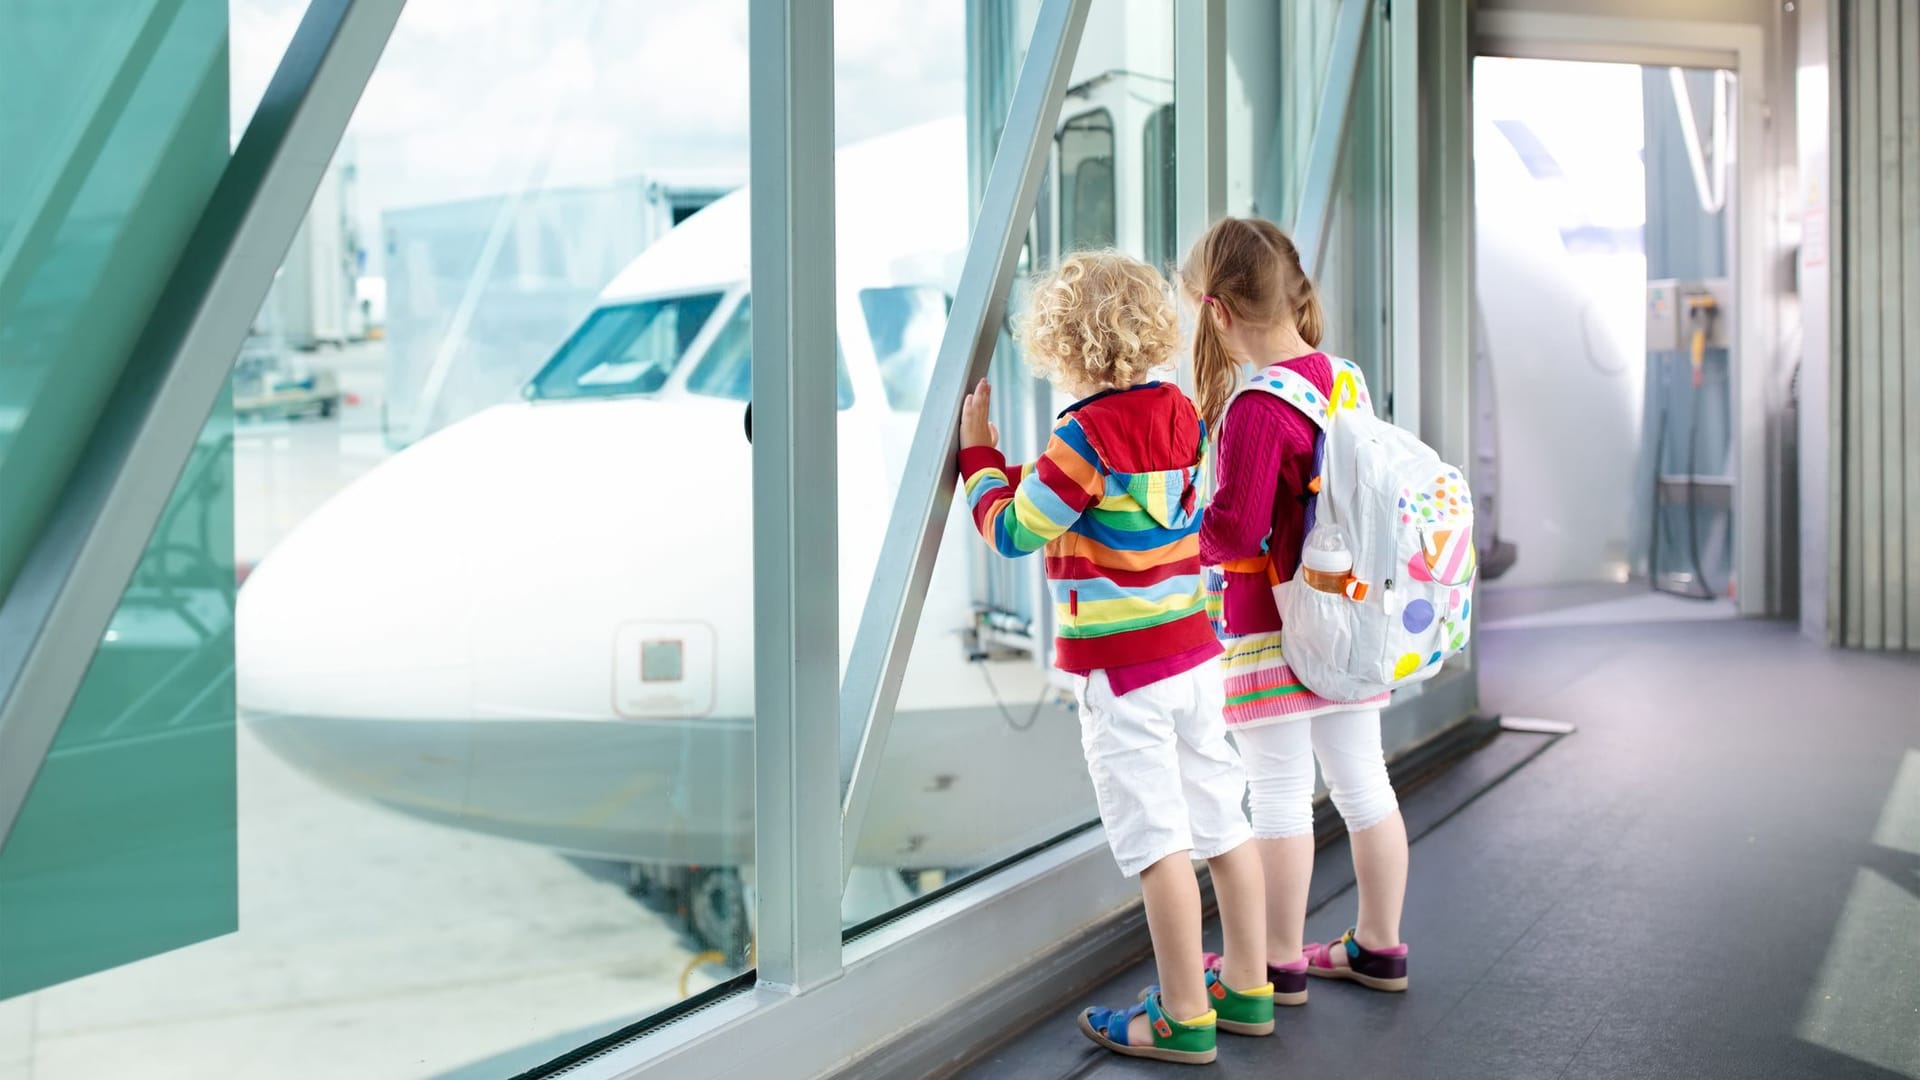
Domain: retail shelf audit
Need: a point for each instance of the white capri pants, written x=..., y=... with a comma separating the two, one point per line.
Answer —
x=1165, y=776
x=1279, y=763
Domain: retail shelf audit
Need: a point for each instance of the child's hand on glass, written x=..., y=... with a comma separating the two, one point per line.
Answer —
x=975, y=428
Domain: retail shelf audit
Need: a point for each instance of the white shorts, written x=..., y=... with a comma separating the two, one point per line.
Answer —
x=1166, y=778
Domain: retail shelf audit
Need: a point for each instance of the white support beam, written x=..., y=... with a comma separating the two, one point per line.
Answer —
x=796, y=591
x=1200, y=116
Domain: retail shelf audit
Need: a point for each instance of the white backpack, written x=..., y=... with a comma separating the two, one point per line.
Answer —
x=1408, y=517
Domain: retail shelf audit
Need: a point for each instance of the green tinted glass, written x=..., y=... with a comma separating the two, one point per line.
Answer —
x=114, y=133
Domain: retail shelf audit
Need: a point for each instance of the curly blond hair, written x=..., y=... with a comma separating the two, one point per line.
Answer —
x=1099, y=320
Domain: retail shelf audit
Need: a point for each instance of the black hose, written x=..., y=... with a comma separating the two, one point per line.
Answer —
x=1693, y=512
x=1693, y=487
x=1659, y=460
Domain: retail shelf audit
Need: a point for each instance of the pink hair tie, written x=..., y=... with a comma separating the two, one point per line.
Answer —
x=1205, y=299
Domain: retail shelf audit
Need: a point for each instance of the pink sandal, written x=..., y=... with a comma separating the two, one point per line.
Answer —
x=1289, y=980
x=1378, y=969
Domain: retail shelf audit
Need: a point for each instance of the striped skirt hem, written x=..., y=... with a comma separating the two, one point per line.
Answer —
x=1261, y=688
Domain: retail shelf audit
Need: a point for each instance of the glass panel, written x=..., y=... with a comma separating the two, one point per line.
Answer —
x=625, y=349
x=983, y=760
x=126, y=846
x=905, y=323
x=113, y=135
x=1353, y=278
x=494, y=748
x=726, y=370
x=1087, y=195
x=1162, y=213
x=1306, y=45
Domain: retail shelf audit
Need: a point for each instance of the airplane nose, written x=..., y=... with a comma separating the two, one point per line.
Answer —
x=363, y=610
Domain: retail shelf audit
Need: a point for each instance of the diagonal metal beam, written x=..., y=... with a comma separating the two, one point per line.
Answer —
x=892, y=614
x=52, y=619
x=1317, y=192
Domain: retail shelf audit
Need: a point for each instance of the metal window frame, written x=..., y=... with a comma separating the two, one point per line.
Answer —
x=1851, y=366
x=1867, y=357
x=1446, y=223
x=1910, y=308
x=1838, y=327
x=1742, y=48
x=1199, y=129
x=1199, y=116
x=892, y=613
x=53, y=617
x=1890, y=494
x=1404, y=215
x=886, y=989
x=796, y=566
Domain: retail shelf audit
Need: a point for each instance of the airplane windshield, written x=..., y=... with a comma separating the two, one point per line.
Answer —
x=626, y=349
x=726, y=371
x=906, y=323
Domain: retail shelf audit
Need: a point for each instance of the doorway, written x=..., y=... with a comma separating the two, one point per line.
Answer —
x=1605, y=318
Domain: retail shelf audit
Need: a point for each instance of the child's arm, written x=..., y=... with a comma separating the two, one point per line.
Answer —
x=1020, y=518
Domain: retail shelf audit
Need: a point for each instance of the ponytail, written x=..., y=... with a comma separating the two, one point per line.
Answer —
x=1307, y=315
x=1216, y=375
x=1247, y=268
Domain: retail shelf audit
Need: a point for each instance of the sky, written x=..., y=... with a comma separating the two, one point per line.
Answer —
x=477, y=97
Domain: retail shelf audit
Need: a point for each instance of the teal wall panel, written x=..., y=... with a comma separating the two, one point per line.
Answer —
x=114, y=133
x=126, y=846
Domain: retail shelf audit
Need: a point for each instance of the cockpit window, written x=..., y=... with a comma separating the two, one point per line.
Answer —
x=726, y=371
x=625, y=349
x=905, y=323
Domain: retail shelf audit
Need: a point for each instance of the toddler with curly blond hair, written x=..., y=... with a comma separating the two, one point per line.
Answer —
x=1115, y=503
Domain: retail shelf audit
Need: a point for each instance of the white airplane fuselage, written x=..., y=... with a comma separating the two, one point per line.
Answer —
x=462, y=634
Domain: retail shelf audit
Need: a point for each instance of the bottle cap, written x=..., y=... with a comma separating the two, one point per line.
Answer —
x=1327, y=560
x=1326, y=549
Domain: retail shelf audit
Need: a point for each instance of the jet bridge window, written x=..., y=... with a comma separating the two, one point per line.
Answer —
x=1160, y=208
x=726, y=371
x=625, y=349
x=906, y=323
x=1087, y=215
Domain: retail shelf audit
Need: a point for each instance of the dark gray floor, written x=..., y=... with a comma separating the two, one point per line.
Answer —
x=1688, y=887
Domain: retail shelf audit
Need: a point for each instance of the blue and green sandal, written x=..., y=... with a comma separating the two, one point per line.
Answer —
x=1190, y=1043
x=1238, y=1012
x=1242, y=1012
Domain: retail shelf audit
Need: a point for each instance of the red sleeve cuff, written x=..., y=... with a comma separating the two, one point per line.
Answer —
x=974, y=459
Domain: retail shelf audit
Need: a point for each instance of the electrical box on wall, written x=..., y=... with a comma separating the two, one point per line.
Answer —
x=1675, y=309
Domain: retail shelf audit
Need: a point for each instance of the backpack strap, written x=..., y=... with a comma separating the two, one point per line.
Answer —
x=1349, y=392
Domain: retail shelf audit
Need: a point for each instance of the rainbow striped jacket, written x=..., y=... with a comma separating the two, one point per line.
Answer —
x=1115, y=502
